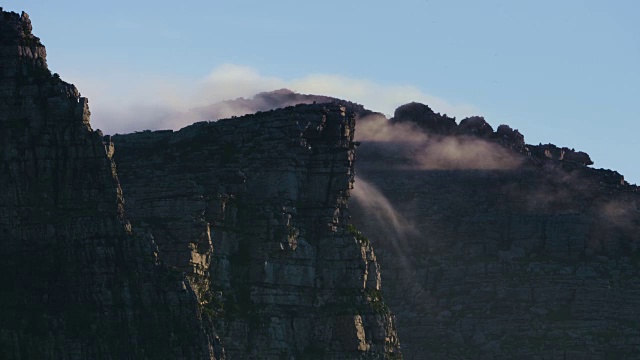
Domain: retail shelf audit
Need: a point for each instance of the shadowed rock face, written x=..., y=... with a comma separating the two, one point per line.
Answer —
x=254, y=209
x=74, y=282
x=534, y=261
x=249, y=216
x=436, y=125
x=425, y=118
x=499, y=260
x=243, y=225
x=490, y=266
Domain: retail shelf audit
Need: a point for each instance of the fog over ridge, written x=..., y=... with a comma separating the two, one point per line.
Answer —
x=154, y=102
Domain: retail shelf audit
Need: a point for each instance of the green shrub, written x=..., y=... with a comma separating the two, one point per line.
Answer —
x=358, y=235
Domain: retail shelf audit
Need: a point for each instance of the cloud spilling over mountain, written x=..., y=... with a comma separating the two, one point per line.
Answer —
x=154, y=102
x=418, y=138
x=265, y=101
x=505, y=234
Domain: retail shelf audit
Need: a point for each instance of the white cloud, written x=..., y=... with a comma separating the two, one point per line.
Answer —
x=378, y=97
x=125, y=102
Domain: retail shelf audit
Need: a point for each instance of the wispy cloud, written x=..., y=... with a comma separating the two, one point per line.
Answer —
x=411, y=147
x=128, y=101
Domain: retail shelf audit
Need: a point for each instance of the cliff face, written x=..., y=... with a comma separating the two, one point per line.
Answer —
x=531, y=255
x=240, y=224
x=74, y=282
x=254, y=210
x=490, y=248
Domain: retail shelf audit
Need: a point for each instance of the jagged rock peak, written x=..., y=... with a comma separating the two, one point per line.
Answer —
x=425, y=118
x=23, y=62
x=15, y=29
x=436, y=124
x=263, y=230
x=475, y=125
x=509, y=135
x=75, y=283
x=560, y=153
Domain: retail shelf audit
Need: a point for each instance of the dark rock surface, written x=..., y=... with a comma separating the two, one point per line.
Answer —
x=255, y=210
x=490, y=248
x=425, y=118
x=534, y=261
x=436, y=125
x=240, y=224
x=74, y=282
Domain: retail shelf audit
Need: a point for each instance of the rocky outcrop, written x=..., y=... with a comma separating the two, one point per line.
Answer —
x=255, y=210
x=428, y=120
x=241, y=224
x=560, y=153
x=536, y=261
x=74, y=282
x=236, y=239
x=509, y=136
x=436, y=125
x=266, y=101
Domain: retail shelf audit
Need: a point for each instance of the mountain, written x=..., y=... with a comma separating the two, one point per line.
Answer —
x=222, y=240
x=266, y=101
x=253, y=237
x=254, y=210
x=494, y=248
x=491, y=248
x=75, y=281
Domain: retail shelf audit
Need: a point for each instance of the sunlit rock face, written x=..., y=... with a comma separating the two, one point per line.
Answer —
x=74, y=282
x=480, y=260
x=254, y=210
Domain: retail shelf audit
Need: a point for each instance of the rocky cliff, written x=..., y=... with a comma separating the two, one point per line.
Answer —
x=75, y=283
x=236, y=239
x=239, y=226
x=254, y=209
x=495, y=249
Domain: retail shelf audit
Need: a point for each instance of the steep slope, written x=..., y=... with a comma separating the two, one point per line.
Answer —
x=74, y=282
x=494, y=249
x=254, y=209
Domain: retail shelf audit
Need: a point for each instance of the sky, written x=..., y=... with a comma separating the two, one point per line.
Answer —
x=565, y=72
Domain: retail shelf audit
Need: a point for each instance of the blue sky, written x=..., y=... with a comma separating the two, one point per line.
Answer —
x=562, y=72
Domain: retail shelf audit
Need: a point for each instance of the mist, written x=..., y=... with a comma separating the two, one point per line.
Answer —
x=383, y=218
x=157, y=102
x=404, y=145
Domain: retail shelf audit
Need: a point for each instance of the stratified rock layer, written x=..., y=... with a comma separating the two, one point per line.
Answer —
x=74, y=282
x=254, y=209
x=537, y=261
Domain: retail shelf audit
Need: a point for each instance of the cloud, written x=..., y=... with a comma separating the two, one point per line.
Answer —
x=465, y=153
x=404, y=145
x=382, y=220
x=378, y=97
x=125, y=101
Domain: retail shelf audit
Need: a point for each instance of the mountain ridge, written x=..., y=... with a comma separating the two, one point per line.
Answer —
x=253, y=236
